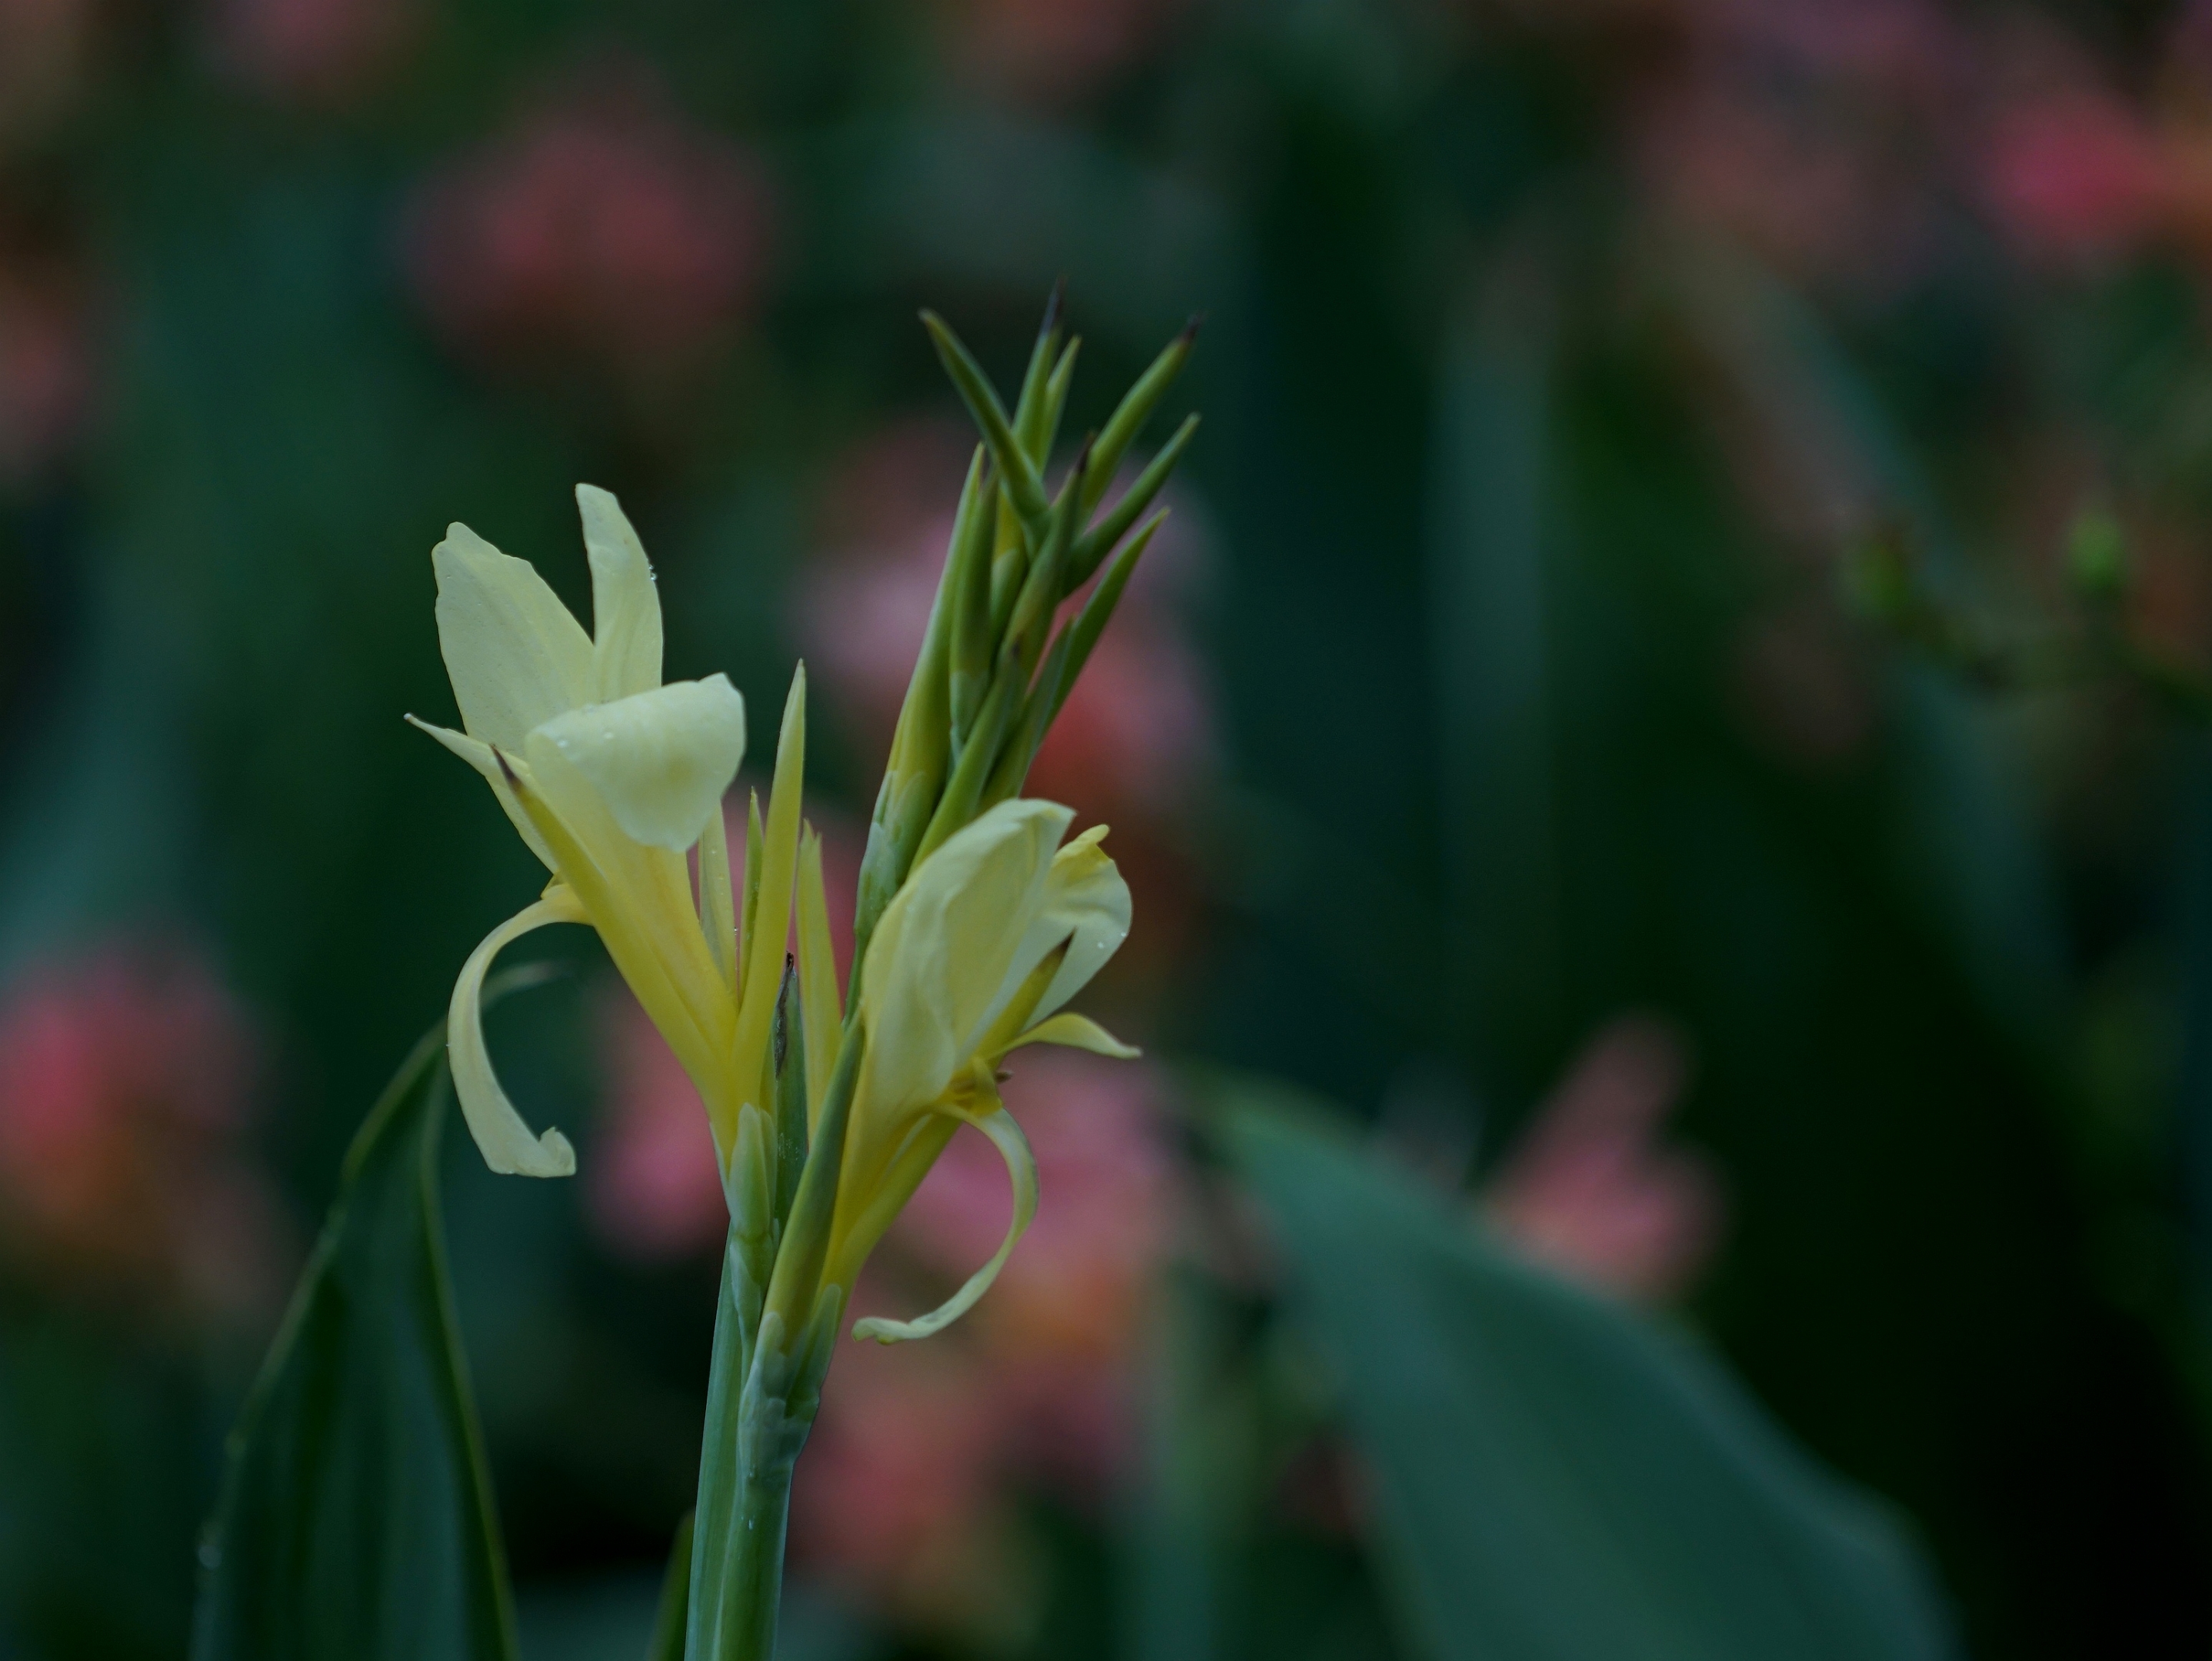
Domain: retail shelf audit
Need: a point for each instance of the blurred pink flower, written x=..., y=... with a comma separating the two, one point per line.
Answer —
x=608, y=230
x=2075, y=173
x=919, y=1444
x=1590, y=1191
x=1138, y=731
x=124, y=1080
x=310, y=51
x=1808, y=131
x=651, y=1184
x=45, y=366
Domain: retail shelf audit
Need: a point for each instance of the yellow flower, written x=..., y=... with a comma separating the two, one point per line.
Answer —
x=612, y=779
x=975, y=955
x=617, y=782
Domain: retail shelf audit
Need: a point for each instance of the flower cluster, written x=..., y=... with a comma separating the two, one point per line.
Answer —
x=978, y=919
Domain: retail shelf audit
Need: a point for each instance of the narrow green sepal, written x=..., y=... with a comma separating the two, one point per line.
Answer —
x=1020, y=751
x=755, y=857
x=1030, y=408
x=964, y=791
x=796, y=1282
x=1090, y=623
x=790, y=1093
x=1023, y=487
x=1055, y=397
x=1032, y=611
x=1136, y=409
x=1096, y=543
x=967, y=590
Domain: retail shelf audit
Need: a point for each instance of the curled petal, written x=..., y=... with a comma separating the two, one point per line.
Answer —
x=625, y=606
x=659, y=761
x=1078, y=1032
x=505, y=1141
x=479, y=754
x=1021, y=1167
x=515, y=655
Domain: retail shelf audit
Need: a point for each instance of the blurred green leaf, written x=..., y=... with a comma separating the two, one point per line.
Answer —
x=1556, y=1478
x=356, y=1517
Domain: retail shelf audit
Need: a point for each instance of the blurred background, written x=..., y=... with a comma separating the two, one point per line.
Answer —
x=1491, y=746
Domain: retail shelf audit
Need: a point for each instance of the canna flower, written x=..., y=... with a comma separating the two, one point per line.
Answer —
x=975, y=956
x=616, y=781
x=612, y=779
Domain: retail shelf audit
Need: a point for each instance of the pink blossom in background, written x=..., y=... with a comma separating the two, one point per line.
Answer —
x=651, y=1184
x=607, y=229
x=2077, y=173
x=45, y=366
x=123, y=1081
x=1137, y=734
x=1810, y=132
x=1591, y=1192
x=310, y=51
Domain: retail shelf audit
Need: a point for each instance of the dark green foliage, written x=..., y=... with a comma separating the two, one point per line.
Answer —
x=357, y=1519
x=1559, y=1480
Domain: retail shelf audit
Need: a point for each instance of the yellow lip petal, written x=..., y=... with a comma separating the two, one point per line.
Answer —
x=625, y=605
x=515, y=655
x=1021, y=1169
x=1077, y=1033
x=659, y=759
x=506, y=1142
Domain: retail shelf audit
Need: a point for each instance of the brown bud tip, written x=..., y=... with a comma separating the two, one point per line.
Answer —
x=1189, y=335
x=1054, y=305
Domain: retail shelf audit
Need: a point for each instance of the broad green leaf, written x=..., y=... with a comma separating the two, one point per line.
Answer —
x=356, y=1521
x=1556, y=1478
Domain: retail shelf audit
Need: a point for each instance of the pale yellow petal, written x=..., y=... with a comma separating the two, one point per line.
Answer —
x=938, y=966
x=625, y=605
x=506, y=1142
x=515, y=655
x=1086, y=905
x=659, y=759
x=718, y=919
x=479, y=754
x=640, y=899
x=1021, y=1167
x=1077, y=1033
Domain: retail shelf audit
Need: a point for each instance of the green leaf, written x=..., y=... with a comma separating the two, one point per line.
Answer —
x=357, y=1516
x=1557, y=1477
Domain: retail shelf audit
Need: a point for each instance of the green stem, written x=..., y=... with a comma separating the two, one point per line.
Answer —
x=755, y=1588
